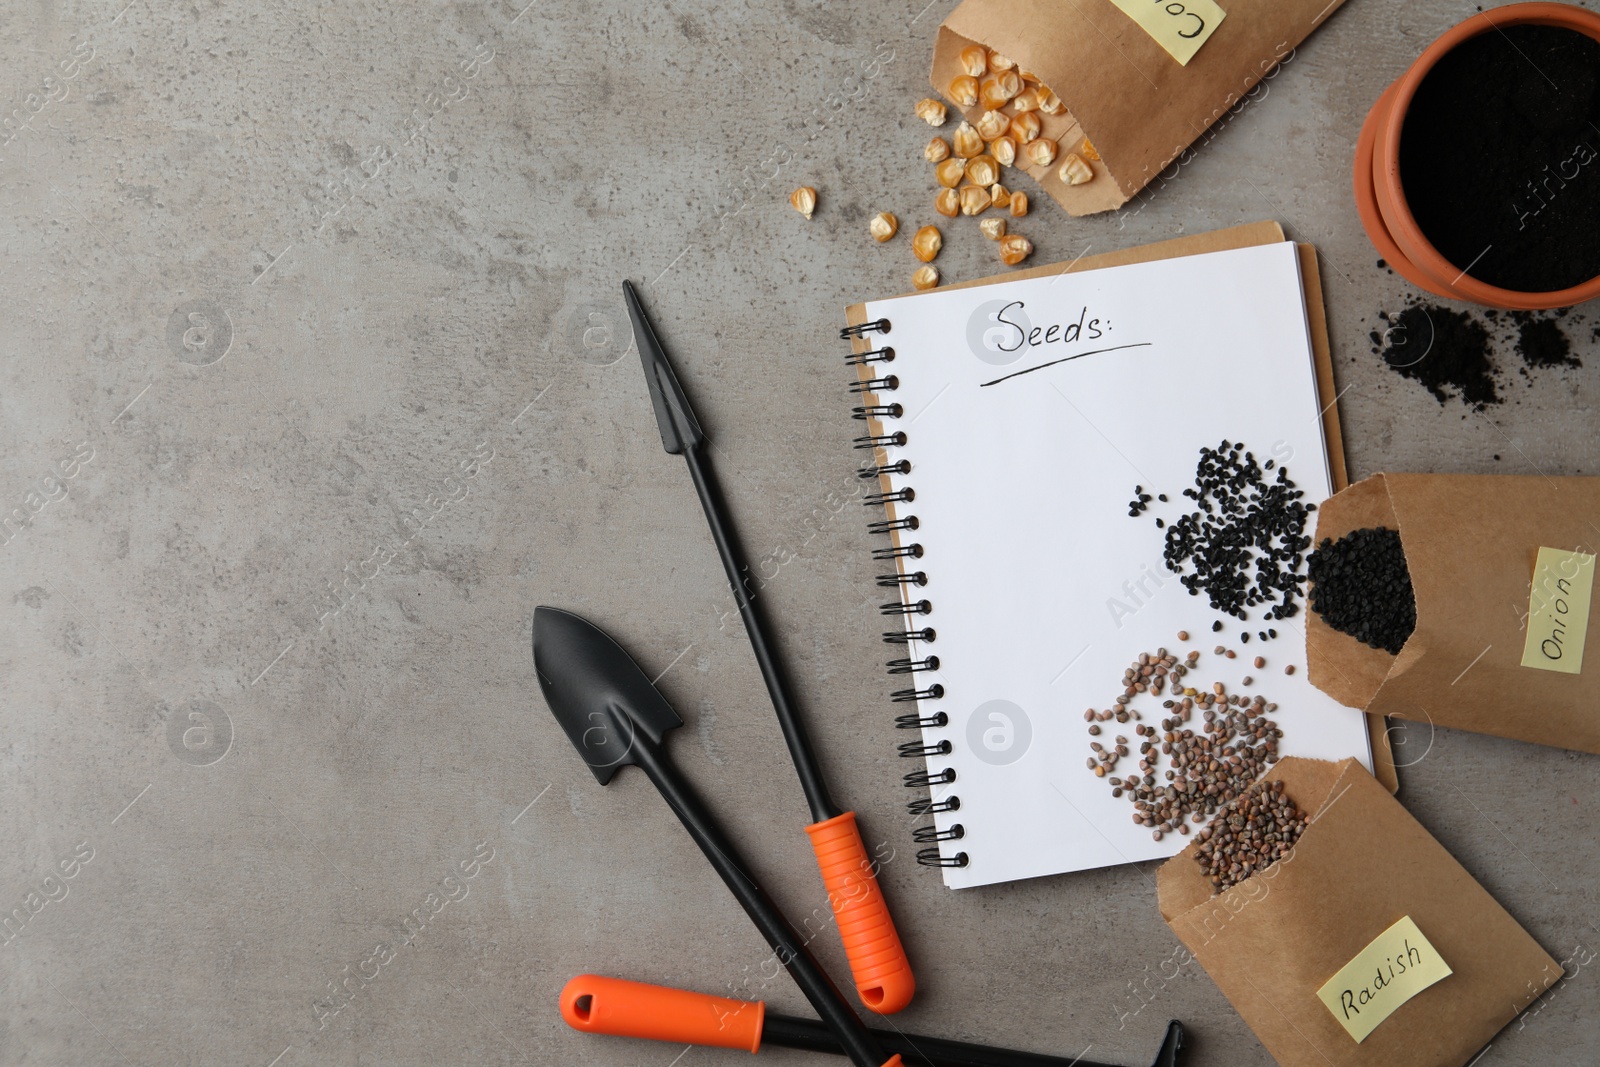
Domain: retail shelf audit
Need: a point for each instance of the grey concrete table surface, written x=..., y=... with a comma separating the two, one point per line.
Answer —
x=324, y=299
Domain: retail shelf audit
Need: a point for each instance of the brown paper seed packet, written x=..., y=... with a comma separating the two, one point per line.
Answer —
x=1502, y=643
x=1369, y=927
x=1117, y=66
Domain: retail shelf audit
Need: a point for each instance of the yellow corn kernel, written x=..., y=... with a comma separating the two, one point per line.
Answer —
x=974, y=199
x=999, y=195
x=1004, y=150
x=1088, y=151
x=1019, y=204
x=996, y=91
x=1027, y=100
x=931, y=111
x=966, y=142
x=1050, y=103
x=1000, y=62
x=975, y=60
x=804, y=200
x=1074, y=171
x=926, y=243
x=950, y=172
x=983, y=170
x=1026, y=126
x=1042, y=152
x=947, y=203
x=993, y=229
x=964, y=90
x=1014, y=248
x=992, y=124
x=883, y=226
x=938, y=150
x=926, y=277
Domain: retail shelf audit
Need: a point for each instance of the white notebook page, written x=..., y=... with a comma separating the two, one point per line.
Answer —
x=1043, y=589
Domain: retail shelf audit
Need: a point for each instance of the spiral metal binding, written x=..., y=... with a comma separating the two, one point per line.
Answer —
x=887, y=384
x=870, y=388
x=894, y=440
x=919, y=779
x=877, y=355
x=925, y=835
x=932, y=857
x=899, y=496
x=902, y=467
x=879, y=411
x=850, y=332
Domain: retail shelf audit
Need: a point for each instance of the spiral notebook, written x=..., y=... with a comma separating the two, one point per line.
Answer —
x=1010, y=422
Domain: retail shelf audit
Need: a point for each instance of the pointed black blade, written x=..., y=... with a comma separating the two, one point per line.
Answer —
x=605, y=703
x=680, y=430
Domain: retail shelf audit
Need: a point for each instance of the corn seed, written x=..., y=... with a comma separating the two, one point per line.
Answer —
x=992, y=124
x=804, y=200
x=966, y=142
x=975, y=60
x=1025, y=127
x=1014, y=248
x=983, y=170
x=1074, y=171
x=926, y=243
x=931, y=111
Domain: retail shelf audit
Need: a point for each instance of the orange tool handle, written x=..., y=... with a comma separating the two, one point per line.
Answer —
x=621, y=1008
x=877, y=961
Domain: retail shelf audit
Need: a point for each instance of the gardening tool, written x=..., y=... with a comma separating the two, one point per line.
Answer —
x=615, y=717
x=615, y=1006
x=877, y=961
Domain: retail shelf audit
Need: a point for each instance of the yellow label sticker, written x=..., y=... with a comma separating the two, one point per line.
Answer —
x=1179, y=26
x=1399, y=964
x=1558, y=611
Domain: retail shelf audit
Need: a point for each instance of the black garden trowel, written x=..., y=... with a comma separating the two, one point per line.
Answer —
x=615, y=718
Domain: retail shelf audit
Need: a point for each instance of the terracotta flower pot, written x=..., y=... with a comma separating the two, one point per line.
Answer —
x=1381, y=200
